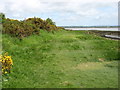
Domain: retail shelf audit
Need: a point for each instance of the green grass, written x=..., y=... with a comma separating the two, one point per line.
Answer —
x=66, y=59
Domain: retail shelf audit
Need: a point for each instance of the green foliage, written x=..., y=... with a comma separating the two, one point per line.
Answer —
x=21, y=29
x=61, y=28
x=49, y=21
x=42, y=24
x=62, y=60
x=2, y=17
x=18, y=28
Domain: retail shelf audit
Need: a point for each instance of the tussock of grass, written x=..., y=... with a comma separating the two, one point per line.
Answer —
x=66, y=59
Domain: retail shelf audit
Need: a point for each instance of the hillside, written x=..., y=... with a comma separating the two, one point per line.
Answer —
x=65, y=59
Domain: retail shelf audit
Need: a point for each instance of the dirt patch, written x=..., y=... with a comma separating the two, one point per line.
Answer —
x=91, y=65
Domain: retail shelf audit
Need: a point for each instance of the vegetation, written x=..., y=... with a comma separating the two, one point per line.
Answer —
x=25, y=28
x=66, y=59
x=6, y=63
x=90, y=26
x=49, y=21
x=62, y=59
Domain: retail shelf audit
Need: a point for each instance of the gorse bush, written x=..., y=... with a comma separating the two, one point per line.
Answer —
x=27, y=27
x=49, y=21
x=47, y=24
x=7, y=63
x=19, y=29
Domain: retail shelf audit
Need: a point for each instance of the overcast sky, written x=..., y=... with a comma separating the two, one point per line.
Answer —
x=64, y=12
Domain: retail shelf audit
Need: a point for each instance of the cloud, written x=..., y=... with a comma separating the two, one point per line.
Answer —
x=72, y=11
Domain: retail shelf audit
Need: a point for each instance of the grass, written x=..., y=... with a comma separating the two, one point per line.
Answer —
x=66, y=59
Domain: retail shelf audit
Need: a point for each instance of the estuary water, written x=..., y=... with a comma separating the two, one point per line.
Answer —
x=101, y=29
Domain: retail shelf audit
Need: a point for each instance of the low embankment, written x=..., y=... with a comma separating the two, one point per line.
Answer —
x=107, y=34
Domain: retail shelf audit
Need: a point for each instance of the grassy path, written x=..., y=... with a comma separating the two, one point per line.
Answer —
x=66, y=59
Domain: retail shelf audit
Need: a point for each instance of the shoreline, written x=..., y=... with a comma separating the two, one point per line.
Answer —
x=102, y=33
x=94, y=28
x=99, y=31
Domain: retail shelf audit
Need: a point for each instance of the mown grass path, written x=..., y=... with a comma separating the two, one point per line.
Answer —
x=66, y=59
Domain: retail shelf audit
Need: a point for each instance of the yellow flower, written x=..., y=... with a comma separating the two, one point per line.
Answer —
x=5, y=72
x=6, y=62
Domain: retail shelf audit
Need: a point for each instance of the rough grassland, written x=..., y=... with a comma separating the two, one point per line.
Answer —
x=66, y=59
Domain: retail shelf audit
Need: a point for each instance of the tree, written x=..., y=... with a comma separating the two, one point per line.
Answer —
x=49, y=21
x=2, y=16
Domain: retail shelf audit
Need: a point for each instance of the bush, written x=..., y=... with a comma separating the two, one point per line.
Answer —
x=7, y=63
x=49, y=21
x=47, y=24
x=19, y=29
x=27, y=27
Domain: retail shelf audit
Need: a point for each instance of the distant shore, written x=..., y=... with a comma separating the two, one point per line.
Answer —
x=90, y=26
x=101, y=33
x=95, y=28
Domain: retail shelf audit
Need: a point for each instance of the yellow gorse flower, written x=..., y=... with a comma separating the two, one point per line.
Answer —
x=6, y=62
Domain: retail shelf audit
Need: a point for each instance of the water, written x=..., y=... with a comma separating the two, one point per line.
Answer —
x=101, y=29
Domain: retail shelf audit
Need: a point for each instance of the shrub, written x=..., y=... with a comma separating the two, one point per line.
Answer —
x=2, y=17
x=7, y=63
x=60, y=28
x=49, y=21
x=27, y=27
x=19, y=29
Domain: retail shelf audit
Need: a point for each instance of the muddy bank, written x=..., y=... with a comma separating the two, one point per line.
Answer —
x=104, y=33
